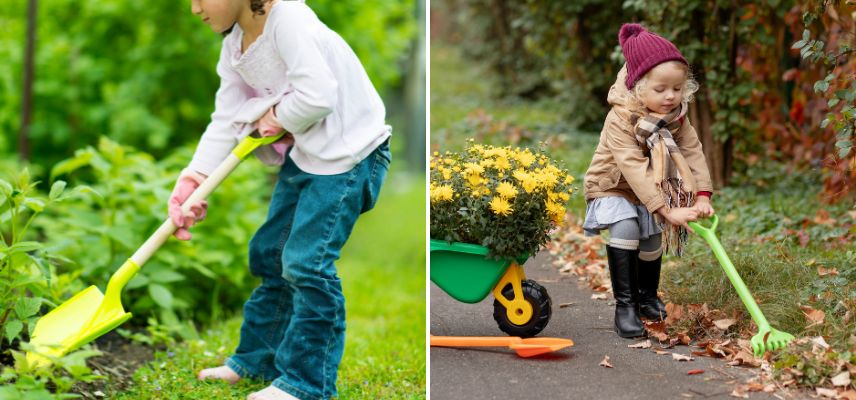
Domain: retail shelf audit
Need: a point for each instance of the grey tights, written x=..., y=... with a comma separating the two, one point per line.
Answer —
x=625, y=235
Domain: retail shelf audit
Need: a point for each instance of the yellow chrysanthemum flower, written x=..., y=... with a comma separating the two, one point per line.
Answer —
x=474, y=180
x=502, y=163
x=525, y=158
x=547, y=180
x=456, y=168
x=569, y=179
x=555, y=211
x=500, y=207
x=442, y=193
x=529, y=184
x=447, y=174
x=564, y=196
x=506, y=190
x=473, y=168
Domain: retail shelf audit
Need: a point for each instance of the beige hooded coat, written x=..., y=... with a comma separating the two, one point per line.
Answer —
x=621, y=166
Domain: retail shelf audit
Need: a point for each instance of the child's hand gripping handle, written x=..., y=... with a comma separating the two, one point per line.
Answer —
x=241, y=151
x=709, y=235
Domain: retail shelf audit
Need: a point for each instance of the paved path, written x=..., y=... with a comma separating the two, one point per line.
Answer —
x=572, y=373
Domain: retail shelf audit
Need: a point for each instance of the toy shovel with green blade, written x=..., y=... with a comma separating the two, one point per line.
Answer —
x=768, y=338
x=90, y=314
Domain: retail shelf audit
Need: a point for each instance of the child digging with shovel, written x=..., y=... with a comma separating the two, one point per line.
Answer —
x=282, y=69
x=648, y=161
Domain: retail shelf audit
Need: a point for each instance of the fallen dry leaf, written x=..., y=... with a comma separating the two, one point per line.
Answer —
x=739, y=393
x=848, y=395
x=681, y=357
x=695, y=371
x=831, y=393
x=661, y=352
x=641, y=345
x=820, y=341
x=815, y=317
x=842, y=379
x=598, y=296
x=563, y=305
x=821, y=217
x=824, y=271
x=723, y=324
x=605, y=362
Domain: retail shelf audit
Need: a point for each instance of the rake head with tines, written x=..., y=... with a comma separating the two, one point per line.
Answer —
x=771, y=339
x=767, y=337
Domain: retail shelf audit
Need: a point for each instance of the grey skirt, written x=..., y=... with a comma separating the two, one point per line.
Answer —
x=602, y=212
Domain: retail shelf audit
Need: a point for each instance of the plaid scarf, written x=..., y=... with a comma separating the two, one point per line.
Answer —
x=672, y=174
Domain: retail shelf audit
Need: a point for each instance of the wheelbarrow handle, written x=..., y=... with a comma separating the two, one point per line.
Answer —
x=241, y=151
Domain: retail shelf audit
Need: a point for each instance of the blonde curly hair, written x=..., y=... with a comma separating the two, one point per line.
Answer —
x=691, y=86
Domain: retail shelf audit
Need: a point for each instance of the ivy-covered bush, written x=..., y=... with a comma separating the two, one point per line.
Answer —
x=759, y=97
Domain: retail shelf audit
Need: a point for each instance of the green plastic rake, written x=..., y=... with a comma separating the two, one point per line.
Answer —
x=768, y=338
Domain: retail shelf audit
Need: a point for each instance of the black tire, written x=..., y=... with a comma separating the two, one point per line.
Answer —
x=537, y=296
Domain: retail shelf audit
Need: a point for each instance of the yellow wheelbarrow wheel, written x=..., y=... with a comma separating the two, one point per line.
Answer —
x=521, y=307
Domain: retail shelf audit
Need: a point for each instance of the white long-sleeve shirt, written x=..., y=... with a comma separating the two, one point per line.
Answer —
x=321, y=92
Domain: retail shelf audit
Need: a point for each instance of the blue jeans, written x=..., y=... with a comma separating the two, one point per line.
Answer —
x=294, y=323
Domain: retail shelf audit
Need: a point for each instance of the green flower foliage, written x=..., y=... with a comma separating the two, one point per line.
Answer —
x=502, y=198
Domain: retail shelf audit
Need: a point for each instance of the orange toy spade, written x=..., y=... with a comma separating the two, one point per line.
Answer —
x=528, y=347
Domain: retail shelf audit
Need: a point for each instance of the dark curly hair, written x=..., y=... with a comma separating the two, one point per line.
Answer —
x=257, y=7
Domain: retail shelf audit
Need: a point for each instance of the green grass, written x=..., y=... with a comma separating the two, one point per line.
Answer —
x=771, y=203
x=757, y=229
x=383, y=276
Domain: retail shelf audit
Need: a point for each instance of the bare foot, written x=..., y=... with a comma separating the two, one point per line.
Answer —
x=271, y=393
x=223, y=373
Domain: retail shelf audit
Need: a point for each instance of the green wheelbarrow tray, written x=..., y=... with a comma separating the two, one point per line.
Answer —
x=464, y=272
x=90, y=314
x=768, y=338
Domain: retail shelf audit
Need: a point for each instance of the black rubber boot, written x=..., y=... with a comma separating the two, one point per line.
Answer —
x=650, y=306
x=622, y=273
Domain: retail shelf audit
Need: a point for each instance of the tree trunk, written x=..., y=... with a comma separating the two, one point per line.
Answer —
x=414, y=94
x=27, y=98
x=714, y=151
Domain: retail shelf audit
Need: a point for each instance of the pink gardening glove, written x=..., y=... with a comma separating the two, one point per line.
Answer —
x=268, y=125
x=187, y=182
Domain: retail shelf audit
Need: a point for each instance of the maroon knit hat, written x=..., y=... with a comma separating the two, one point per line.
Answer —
x=644, y=50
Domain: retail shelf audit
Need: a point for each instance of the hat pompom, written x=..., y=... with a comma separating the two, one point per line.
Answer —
x=627, y=31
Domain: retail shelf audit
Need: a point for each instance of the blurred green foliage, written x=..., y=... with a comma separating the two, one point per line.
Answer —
x=143, y=72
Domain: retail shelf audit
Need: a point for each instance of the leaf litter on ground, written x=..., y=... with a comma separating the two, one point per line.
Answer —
x=713, y=332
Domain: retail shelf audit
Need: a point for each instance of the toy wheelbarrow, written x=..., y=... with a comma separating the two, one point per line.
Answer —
x=90, y=314
x=521, y=307
x=767, y=338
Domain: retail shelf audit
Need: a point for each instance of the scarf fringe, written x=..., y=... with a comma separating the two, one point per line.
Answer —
x=674, y=237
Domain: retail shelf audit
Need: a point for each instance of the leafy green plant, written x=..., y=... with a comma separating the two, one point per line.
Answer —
x=161, y=86
x=100, y=233
x=49, y=383
x=28, y=279
x=838, y=87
